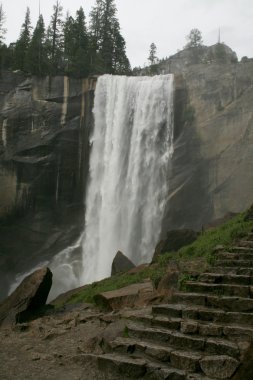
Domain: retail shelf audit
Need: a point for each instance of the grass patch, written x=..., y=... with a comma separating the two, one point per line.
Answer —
x=224, y=235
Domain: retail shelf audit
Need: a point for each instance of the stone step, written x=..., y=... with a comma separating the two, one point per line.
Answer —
x=231, y=270
x=240, y=249
x=132, y=367
x=215, y=278
x=234, y=263
x=234, y=256
x=219, y=289
x=180, y=359
x=226, y=303
x=179, y=340
x=246, y=243
x=159, y=321
x=184, y=360
x=192, y=323
x=206, y=314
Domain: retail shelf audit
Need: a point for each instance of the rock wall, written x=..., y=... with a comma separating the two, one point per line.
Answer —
x=44, y=126
x=211, y=173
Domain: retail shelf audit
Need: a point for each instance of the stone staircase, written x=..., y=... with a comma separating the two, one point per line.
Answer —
x=202, y=334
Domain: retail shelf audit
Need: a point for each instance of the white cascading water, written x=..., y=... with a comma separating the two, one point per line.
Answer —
x=132, y=145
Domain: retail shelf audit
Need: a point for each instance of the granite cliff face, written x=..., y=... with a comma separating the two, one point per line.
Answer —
x=44, y=126
x=211, y=173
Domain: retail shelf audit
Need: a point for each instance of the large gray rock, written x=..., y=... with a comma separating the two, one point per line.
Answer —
x=27, y=299
x=138, y=294
x=121, y=263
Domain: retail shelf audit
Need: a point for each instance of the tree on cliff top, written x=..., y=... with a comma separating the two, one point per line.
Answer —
x=36, y=55
x=21, y=48
x=55, y=39
x=2, y=22
x=108, y=51
x=194, y=39
x=152, y=54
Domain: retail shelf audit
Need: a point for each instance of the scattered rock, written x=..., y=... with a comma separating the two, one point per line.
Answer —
x=121, y=263
x=175, y=240
x=219, y=367
x=27, y=299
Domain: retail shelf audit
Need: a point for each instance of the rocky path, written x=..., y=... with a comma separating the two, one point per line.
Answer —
x=203, y=334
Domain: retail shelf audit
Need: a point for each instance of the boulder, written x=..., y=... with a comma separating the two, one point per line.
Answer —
x=133, y=295
x=169, y=282
x=175, y=240
x=29, y=297
x=220, y=367
x=121, y=263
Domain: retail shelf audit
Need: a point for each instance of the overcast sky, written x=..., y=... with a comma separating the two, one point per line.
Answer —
x=165, y=22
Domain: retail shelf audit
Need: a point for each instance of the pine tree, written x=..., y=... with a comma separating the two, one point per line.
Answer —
x=54, y=41
x=69, y=37
x=121, y=64
x=95, y=37
x=36, y=55
x=152, y=54
x=2, y=22
x=81, y=58
x=194, y=39
x=3, y=47
x=22, y=44
x=108, y=45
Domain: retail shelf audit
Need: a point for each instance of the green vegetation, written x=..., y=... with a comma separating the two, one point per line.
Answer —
x=203, y=248
x=68, y=46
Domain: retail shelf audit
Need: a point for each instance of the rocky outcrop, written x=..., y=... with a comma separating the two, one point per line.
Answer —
x=27, y=299
x=121, y=263
x=210, y=174
x=175, y=240
x=44, y=127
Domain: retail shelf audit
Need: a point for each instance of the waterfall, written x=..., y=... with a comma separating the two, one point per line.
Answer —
x=132, y=144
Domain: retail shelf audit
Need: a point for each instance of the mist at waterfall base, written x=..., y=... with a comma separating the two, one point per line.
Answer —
x=131, y=150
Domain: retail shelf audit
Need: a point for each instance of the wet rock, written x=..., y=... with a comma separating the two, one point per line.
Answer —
x=121, y=263
x=27, y=299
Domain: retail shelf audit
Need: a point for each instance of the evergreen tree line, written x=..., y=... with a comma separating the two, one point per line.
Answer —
x=68, y=46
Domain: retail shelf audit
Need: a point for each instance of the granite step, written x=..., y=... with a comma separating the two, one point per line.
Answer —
x=191, y=323
x=206, y=314
x=234, y=263
x=159, y=321
x=210, y=345
x=131, y=367
x=189, y=361
x=227, y=303
x=238, y=248
x=231, y=270
x=246, y=243
x=234, y=256
x=243, y=291
x=234, y=279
